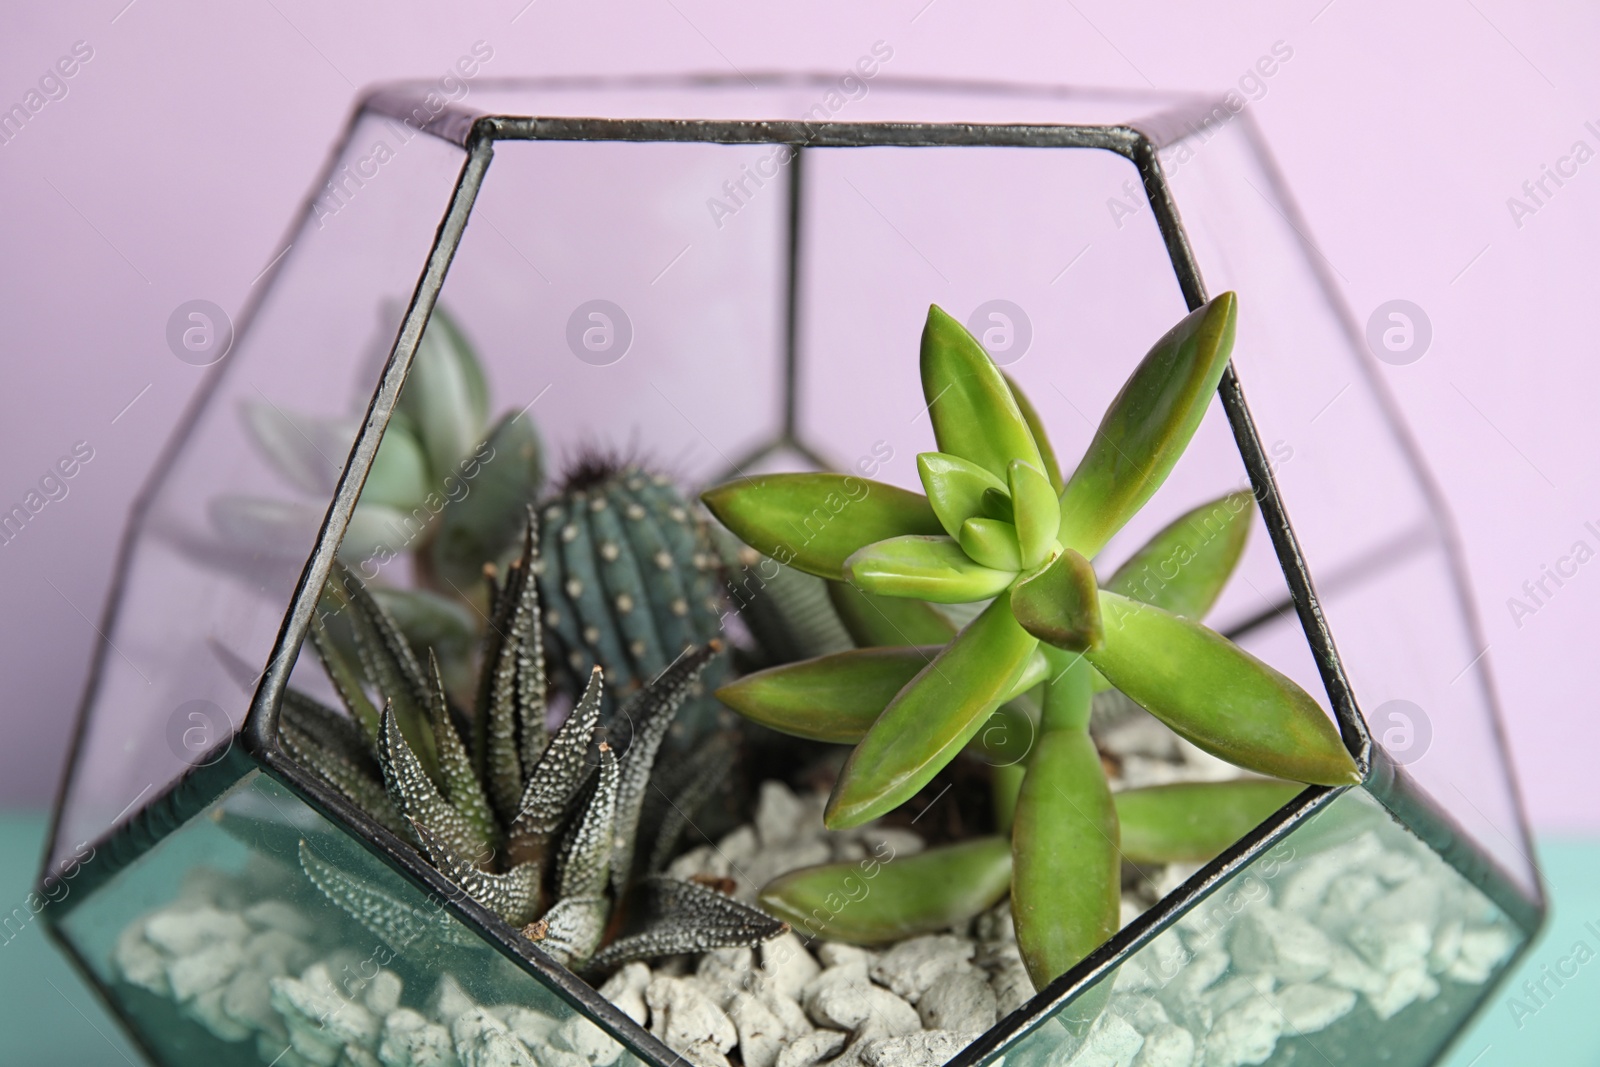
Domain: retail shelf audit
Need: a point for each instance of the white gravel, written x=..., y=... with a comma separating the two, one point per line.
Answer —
x=1375, y=923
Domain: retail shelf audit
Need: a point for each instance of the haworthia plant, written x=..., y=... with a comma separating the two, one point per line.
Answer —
x=538, y=827
x=1000, y=523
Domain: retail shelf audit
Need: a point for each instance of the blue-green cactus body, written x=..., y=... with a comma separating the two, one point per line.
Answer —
x=629, y=582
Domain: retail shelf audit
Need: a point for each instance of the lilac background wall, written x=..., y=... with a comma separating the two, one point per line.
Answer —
x=182, y=148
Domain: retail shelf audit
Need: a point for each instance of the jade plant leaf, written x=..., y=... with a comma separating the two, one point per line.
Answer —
x=975, y=416
x=959, y=490
x=1217, y=695
x=1060, y=605
x=813, y=522
x=831, y=698
x=1183, y=568
x=1047, y=453
x=1147, y=426
x=1037, y=514
x=930, y=720
x=888, y=897
x=837, y=698
x=1066, y=888
x=888, y=620
x=1190, y=822
x=992, y=543
x=927, y=568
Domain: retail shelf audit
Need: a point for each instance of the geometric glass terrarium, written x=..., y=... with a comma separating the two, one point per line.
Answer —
x=756, y=280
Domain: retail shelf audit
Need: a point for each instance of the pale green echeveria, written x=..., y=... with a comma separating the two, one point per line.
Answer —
x=443, y=479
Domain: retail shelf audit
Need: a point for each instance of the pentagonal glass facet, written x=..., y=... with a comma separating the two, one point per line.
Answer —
x=718, y=278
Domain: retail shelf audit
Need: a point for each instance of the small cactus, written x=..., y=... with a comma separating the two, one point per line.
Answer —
x=629, y=580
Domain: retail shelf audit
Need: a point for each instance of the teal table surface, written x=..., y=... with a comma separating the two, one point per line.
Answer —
x=48, y=1017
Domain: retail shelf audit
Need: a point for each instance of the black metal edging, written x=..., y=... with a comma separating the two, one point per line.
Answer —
x=1296, y=574
x=1119, y=139
x=261, y=727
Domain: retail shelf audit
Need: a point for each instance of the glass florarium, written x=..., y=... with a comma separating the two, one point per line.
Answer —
x=779, y=571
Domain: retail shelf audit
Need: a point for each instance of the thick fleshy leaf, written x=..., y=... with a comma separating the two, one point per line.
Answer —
x=1191, y=822
x=926, y=568
x=1047, y=453
x=932, y=718
x=837, y=698
x=886, y=897
x=832, y=698
x=813, y=522
x=789, y=614
x=687, y=918
x=975, y=416
x=388, y=663
x=456, y=773
x=991, y=543
x=958, y=489
x=442, y=624
x=571, y=930
x=398, y=476
x=514, y=895
x=552, y=783
x=404, y=927
x=1217, y=695
x=888, y=620
x=418, y=799
x=376, y=532
x=651, y=711
x=1060, y=604
x=1008, y=736
x=1147, y=426
x=486, y=501
x=585, y=866
x=1066, y=886
x=351, y=771
x=1183, y=568
x=346, y=678
x=308, y=450
x=1036, y=511
x=445, y=397
x=678, y=790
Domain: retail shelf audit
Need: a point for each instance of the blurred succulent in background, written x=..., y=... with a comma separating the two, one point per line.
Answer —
x=445, y=487
x=539, y=827
x=1001, y=527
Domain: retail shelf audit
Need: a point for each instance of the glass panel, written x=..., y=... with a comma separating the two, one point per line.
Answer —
x=1348, y=943
x=1370, y=529
x=261, y=927
x=226, y=533
x=690, y=375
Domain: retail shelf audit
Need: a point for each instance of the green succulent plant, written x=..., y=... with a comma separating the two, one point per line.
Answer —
x=1002, y=528
x=447, y=487
x=539, y=827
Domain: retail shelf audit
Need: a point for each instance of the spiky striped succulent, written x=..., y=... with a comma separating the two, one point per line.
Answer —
x=539, y=827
